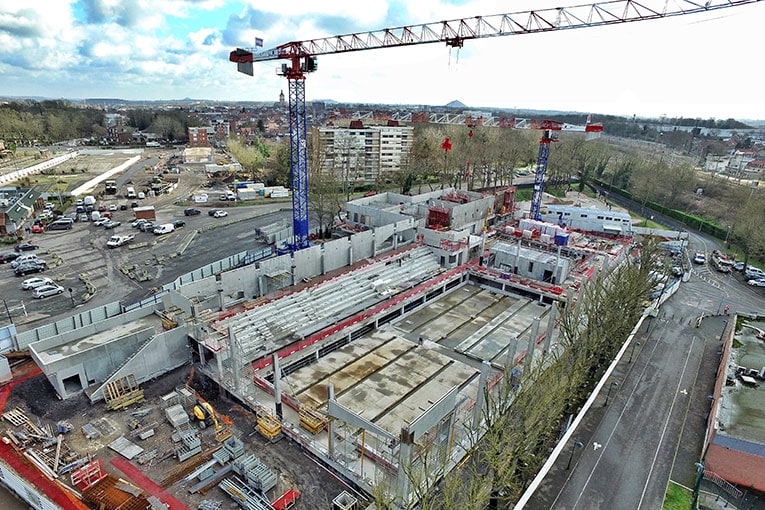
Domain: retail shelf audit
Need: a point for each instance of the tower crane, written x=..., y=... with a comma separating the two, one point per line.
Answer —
x=301, y=60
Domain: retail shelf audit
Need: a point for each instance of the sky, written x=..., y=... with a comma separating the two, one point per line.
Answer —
x=702, y=65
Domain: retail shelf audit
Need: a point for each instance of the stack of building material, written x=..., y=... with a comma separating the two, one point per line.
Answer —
x=245, y=496
x=170, y=399
x=189, y=446
x=176, y=415
x=256, y=474
x=126, y=448
x=234, y=446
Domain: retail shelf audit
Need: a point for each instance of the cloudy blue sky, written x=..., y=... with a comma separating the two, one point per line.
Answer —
x=703, y=65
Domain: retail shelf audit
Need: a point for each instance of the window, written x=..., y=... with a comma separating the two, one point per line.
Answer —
x=582, y=215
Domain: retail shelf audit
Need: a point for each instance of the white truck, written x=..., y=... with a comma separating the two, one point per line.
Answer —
x=115, y=241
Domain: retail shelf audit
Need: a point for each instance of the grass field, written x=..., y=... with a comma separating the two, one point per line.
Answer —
x=677, y=498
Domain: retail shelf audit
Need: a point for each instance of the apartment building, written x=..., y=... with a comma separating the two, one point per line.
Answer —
x=362, y=153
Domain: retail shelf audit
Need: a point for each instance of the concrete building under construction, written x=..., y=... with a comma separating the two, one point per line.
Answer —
x=373, y=351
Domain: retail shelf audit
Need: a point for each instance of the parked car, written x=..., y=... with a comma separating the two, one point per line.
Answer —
x=137, y=223
x=37, y=281
x=37, y=229
x=101, y=208
x=757, y=282
x=33, y=266
x=112, y=207
x=699, y=258
x=191, y=211
x=220, y=214
x=23, y=258
x=146, y=226
x=739, y=266
x=754, y=273
x=111, y=224
x=26, y=247
x=212, y=212
x=123, y=207
x=47, y=290
x=100, y=222
x=8, y=257
x=165, y=228
x=178, y=223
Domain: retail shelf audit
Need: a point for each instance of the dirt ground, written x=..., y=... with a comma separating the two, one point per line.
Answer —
x=292, y=467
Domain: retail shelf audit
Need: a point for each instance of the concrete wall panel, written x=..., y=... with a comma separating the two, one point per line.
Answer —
x=307, y=263
x=362, y=245
x=91, y=329
x=165, y=352
x=336, y=254
x=72, y=323
x=383, y=236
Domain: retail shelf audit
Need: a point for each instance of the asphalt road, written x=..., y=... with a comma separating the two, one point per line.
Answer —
x=652, y=430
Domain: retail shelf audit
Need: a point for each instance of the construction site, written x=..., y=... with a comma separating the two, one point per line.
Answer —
x=366, y=354
x=326, y=372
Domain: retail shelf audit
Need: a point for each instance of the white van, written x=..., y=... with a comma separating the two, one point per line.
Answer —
x=164, y=228
x=131, y=192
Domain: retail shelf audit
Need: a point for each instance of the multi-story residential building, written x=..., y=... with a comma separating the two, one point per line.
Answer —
x=201, y=136
x=362, y=154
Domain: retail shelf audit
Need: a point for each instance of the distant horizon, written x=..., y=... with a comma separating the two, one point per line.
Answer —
x=759, y=123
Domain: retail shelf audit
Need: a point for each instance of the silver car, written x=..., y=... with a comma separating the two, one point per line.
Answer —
x=47, y=290
x=37, y=281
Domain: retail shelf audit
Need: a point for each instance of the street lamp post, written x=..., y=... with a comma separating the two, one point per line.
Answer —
x=610, y=386
x=577, y=444
x=636, y=344
x=697, y=485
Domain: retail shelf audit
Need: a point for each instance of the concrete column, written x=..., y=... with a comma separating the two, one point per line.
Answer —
x=395, y=237
x=569, y=299
x=323, y=260
x=350, y=251
x=219, y=288
x=404, y=464
x=532, y=341
x=261, y=287
x=201, y=352
x=512, y=351
x=518, y=256
x=557, y=267
x=330, y=434
x=234, y=355
x=482, y=248
x=277, y=386
x=480, y=401
x=550, y=327
x=292, y=269
x=220, y=367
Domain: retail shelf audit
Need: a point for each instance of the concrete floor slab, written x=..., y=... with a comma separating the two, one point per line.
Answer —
x=358, y=370
x=104, y=337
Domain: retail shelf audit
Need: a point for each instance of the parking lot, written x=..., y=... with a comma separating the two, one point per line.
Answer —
x=79, y=259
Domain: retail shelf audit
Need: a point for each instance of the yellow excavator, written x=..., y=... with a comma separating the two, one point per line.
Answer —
x=206, y=416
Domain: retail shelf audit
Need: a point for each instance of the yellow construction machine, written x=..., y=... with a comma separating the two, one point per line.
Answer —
x=206, y=416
